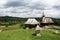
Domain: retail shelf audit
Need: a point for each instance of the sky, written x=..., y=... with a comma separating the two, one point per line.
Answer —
x=30, y=8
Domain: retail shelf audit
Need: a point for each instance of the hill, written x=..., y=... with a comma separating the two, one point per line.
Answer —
x=22, y=20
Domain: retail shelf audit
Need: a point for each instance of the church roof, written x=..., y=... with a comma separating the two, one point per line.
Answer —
x=47, y=20
x=31, y=21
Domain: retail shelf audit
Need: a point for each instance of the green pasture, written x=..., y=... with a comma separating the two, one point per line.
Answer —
x=24, y=34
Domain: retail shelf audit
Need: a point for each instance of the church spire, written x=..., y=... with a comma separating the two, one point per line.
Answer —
x=43, y=14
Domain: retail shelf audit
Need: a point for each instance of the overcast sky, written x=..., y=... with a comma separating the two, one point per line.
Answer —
x=30, y=8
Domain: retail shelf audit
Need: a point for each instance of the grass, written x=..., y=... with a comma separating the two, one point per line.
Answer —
x=10, y=26
x=24, y=34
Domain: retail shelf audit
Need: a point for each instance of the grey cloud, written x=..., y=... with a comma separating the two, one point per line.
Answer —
x=2, y=14
x=37, y=5
x=25, y=3
x=19, y=12
x=15, y=3
x=15, y=11
x=40, y=6
x=56, y=7
x=20, y=3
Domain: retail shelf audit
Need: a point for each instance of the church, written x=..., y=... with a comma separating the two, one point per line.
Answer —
x=45, y=21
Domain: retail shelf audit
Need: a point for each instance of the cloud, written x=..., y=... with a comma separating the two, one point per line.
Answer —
x=33, y=4
x=30, y=8
x=3, y=1
x=27, y=12
x=52, y=13
x=2, y=14
x=15, y=3
x=57, y=7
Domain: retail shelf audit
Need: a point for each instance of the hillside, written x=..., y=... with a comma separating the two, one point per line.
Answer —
x=20, y=20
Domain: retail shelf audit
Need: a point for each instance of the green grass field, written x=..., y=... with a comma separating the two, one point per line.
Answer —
x=24, y=34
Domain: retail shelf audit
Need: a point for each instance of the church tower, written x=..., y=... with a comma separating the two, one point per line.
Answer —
x=46, y=21
x=43, y=14
x=43, y=18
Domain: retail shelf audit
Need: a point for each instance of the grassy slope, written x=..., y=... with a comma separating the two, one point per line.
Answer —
x=23, y=34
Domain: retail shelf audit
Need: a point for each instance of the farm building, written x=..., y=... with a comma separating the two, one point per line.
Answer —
x=31, y=23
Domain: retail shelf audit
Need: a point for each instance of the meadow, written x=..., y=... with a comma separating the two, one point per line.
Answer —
x=24, y=34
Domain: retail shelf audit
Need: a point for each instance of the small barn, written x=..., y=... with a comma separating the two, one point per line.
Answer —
x=31, y=23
